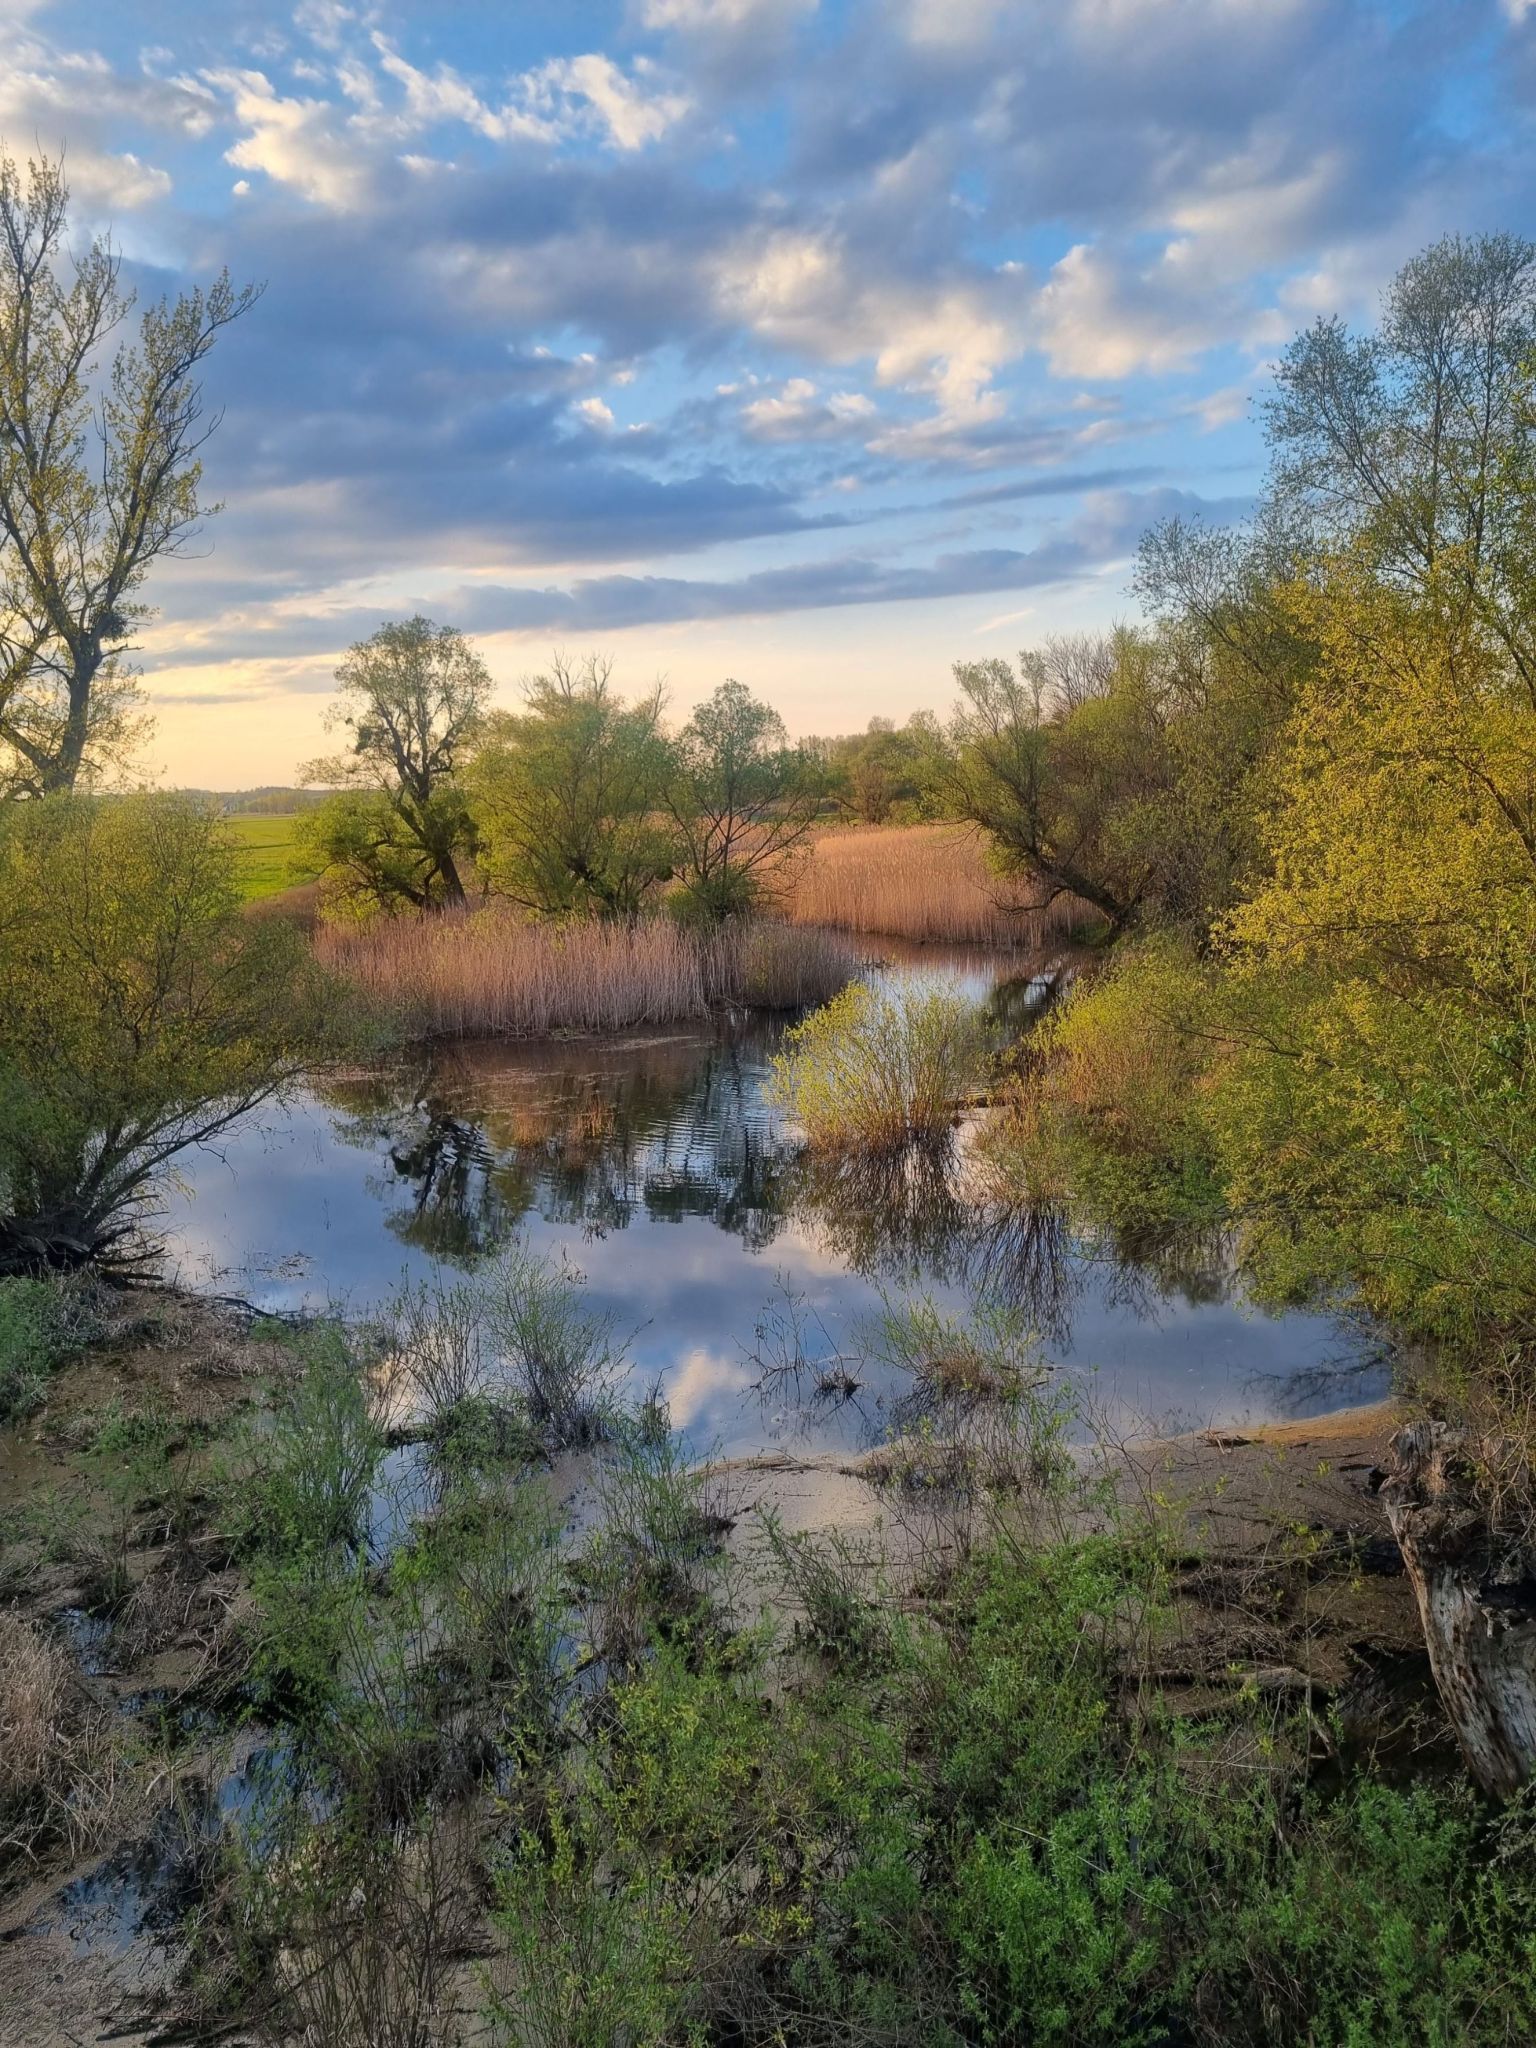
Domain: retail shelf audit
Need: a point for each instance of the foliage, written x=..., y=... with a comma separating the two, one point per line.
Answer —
x=951, y=1832
x=879, y=1066
x=42, y=1323
x=99, y=476
x=742, y=803
x=1127, y=772
x=139, y=1014
x=1110, y=1110
x=414, y=698
x=568, y=794
x=1337, y=1047
x=887, y=774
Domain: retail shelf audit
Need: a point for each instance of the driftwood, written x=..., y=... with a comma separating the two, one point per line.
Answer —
x=1477, y=1600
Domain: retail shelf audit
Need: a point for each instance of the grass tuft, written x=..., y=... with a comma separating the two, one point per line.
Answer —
x=879, y=1068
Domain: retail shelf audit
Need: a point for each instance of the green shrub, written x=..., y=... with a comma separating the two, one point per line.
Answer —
x=1111, y=1112
x=42, y=1322
x=878, y=1067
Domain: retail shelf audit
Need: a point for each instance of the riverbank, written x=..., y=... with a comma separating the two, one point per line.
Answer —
x=1282, y=1617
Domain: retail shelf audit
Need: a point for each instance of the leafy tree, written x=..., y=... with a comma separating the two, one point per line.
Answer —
x=885, y=770
x=414, y=701
x=139, y=1013
x=99, y=476
x=1412, y=446
x=1059, y=778
x=741, y=799
x=569, y=796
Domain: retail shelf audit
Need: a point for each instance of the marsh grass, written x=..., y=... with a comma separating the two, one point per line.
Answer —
x=924, y=882
x=656, y=1560
x=58, y=1764
x=559, y=1361
x=495, y=974
x=880, y=1067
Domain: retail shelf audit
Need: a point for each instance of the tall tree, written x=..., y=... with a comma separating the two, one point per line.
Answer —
x=1061, y=776
x=414, y=698
x=569, y=793
x=1413, y=446
x=99, y=476
x=741, y=800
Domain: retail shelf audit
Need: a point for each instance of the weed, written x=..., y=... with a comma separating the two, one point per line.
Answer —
x=42, y=1323
x=300, y=1478
x=559, y=1361
x=655, y=1561
x=834, y=1587
x=57, y=1761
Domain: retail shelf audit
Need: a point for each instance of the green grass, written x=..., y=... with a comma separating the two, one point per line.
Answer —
x=269, y=849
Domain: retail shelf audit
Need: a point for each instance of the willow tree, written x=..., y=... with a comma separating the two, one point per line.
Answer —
x=742, y=802
x=413, y=703
x=140, y=1014
x=569, y=795
x=100, y=475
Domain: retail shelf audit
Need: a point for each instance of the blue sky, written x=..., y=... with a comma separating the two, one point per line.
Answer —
x=817, y=342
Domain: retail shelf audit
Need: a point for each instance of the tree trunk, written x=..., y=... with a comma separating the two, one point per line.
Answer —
x=453, y=888
x=63, y=771
x=1477, y=1601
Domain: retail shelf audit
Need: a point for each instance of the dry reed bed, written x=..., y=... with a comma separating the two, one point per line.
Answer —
x=922, y=882
x=493, y=974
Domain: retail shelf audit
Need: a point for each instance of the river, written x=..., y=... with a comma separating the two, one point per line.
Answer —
x=656, y=1164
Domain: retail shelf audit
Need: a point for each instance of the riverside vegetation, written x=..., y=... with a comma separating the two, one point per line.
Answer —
x=646, y=1784
x=415, y=1757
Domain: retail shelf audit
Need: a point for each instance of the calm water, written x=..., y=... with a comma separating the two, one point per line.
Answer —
x=657, y=1166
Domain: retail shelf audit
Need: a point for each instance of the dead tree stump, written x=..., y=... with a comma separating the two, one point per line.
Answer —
x=1477, y=1600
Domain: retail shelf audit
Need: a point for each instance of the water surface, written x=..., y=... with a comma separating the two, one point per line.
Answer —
x=656, y=1164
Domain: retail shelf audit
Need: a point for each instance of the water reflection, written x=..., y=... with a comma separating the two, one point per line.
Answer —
x=659, y=1165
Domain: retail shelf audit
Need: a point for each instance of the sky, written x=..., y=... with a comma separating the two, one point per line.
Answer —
x=820, y=343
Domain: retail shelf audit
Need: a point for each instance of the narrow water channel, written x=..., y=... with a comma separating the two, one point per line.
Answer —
x=657, y=1165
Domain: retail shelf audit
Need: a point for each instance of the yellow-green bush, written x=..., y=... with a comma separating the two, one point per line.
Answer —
x=877, y=1067
x=1111, y=1106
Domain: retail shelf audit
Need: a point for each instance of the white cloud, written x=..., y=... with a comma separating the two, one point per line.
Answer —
x=798, y=412
x=594, y=412
x=571, y=92
x=707, y=17
x=1097, y=319
x=951, y=22
x=799, y=289
x=295, y=142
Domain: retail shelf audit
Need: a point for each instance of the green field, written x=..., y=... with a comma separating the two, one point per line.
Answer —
x=268, y=854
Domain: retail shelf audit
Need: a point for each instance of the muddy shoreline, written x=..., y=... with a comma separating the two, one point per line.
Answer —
x=1285, y=1580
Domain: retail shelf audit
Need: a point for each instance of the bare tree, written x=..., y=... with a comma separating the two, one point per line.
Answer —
x=99, y=476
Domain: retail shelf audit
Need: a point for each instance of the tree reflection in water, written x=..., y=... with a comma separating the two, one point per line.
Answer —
x=598, y=1135
x=591, y=1137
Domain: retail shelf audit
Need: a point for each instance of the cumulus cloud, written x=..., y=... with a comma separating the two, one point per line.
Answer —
x=798, y=411
x=843, y=261
x=296, y=142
